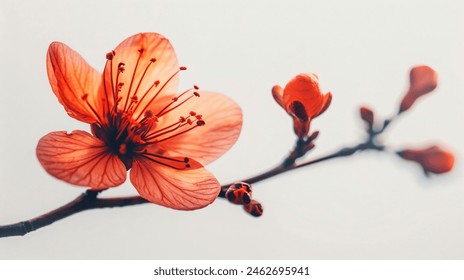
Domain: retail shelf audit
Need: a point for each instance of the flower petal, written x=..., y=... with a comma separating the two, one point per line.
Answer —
x=327, y=99
x=304, y=88
x=178, y=189
x=223, y=118
x=277, y=93
x=71, y=79
x=143, y=77
x=80, y=159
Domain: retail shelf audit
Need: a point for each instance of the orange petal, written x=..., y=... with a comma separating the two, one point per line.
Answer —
x=325, y=103
x=304, y=88
x=223, y=118
x=80, y=159
x=71, y=79
x=183, y=190
x=143, y=77
x=277, y=93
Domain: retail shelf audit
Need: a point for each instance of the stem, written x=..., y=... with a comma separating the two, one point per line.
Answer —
x=282, y=169
x=89, y=199
x=85, y=201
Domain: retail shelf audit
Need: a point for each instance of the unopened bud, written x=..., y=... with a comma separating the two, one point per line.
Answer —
x=432, y=159
x=367, y=115
x=423, y=80
x=254, y=208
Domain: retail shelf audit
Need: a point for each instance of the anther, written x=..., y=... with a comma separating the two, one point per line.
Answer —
x=148, y=114
x=157, y=83
x=186, y=160
x=182, y=68
x=110, y=55
x=196, y=87
x=84, y=96
x=182, y=119
x=120, y=86
x=201, y=123
x=141, y=50
x=192, y=113
x=196, y=94
x=153, y=60
x=199, y=117
x=121, y=67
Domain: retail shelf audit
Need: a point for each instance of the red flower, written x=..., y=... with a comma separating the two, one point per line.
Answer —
x=138, y=122
x=423, y=80
x=432, y=159
x=302, y=100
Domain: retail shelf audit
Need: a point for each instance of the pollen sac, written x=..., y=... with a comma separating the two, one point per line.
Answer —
x=254, y=208
x=239, y=193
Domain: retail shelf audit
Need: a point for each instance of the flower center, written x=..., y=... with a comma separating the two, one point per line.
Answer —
x=134, y=122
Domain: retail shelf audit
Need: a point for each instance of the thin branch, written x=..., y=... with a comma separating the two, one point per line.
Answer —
x=85, y=201
x=89, y=199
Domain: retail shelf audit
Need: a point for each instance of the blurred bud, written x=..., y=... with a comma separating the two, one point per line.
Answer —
x=239, y=193
x=367, y=115
x=423, y=80
x=303, y=100
x=254, y=208
x=313, y=136
x=432, y=159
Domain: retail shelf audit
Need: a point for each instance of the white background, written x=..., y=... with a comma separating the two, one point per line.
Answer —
x=368, y=206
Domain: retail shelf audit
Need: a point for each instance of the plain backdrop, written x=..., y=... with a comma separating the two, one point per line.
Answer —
x=368, y=206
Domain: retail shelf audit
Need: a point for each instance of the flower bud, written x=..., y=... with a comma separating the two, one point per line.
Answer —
x=432, y=159
x=239, y=193
x=303, y=100
x=423, y=80
x=367, y=115
x=254, y=208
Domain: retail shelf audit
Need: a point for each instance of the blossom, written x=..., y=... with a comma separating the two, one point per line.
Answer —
x=302, y=100
x=423, y=80
x=432, y=159
x=139, y=122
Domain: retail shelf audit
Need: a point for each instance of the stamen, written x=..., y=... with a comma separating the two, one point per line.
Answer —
x=133, y=77
x=110, y=55
x=199, y=123
x=118, y=85
x=156, y=95
x=165, y=130
x=175, y=99
x=143, y=75
x=178, y=164
x=84, y=98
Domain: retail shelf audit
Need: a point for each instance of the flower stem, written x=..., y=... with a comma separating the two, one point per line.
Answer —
x=89, y=199
x=86, y=201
